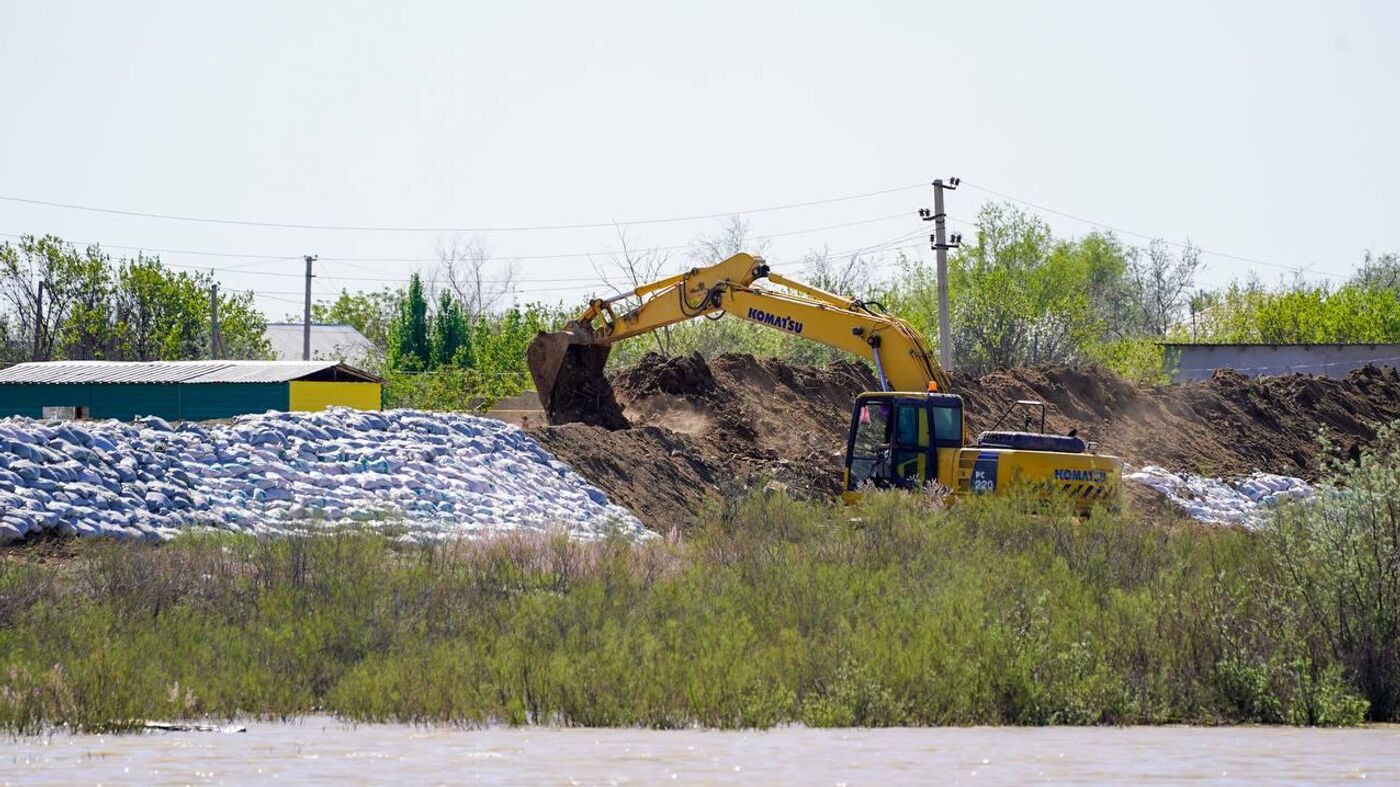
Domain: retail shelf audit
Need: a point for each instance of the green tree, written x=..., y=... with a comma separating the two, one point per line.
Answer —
x=1251, y=313
x=86, y=333
x=68, y=277
x=497, y=365
x=370, y=313
x=409, y=346
x=131, y=310
x=242, y=326
x=1160, y=285
x=160, y=315
x=499, y=342
x=1017, y=298
x=451, y=340
x=1379, y=271
x=1104, y=262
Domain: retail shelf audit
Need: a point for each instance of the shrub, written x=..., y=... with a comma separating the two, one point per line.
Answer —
x=1337, y=561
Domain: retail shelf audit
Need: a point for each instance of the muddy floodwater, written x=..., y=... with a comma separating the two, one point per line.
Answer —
x=328, y=751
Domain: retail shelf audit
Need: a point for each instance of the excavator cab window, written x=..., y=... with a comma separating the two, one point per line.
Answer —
x=909, y=448
x=891, y=443
x=947, y=420
x=868, y=456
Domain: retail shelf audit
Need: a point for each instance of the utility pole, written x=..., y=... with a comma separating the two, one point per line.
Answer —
x=306, y=320
x=941, y=244
x=38, y=319
x=216, y=342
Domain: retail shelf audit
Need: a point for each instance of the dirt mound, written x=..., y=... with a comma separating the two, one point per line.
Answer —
x=738, y=420
x=700, y=429
x=758, y=409
x=1227, y=425
x=663, y=477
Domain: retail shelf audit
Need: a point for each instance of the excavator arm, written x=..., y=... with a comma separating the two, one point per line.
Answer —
x=899, y=353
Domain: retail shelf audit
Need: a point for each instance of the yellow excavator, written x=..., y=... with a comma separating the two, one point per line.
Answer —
x=909, y=434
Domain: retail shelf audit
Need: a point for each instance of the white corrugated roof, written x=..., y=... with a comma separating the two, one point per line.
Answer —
x=336, y=341
x=171, y=371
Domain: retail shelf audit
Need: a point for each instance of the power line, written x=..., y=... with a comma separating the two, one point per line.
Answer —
x=274, y=294
x=868, y=249
x=597, y=225
x=1121, y=231
x=350, y=261
x=519, y=228
x=399, y=279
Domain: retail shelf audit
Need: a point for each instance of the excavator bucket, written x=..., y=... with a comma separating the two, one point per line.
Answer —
x=567, y=368
x=545, y=356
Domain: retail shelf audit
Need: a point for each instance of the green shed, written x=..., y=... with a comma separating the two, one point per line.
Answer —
x=181, y=390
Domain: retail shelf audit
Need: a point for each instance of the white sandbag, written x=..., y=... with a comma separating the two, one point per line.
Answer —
x=430, y=475
x=1244, y=501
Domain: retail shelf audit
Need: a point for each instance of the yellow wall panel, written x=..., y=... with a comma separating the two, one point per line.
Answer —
x=307, y=396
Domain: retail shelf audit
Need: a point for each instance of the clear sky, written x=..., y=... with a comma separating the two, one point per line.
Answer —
x=1267, y=130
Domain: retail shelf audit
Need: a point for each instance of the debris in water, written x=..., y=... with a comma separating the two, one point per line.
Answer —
x=175, y=726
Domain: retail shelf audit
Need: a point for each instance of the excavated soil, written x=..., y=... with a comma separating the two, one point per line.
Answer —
x=699, y=431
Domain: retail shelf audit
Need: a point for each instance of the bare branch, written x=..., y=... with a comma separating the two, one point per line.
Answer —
x=629, y=268
x=465, y=270
x=853, y=276
x=730, y=239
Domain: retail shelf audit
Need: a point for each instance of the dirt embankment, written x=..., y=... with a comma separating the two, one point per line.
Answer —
x=1227, y=425
x=700, y=430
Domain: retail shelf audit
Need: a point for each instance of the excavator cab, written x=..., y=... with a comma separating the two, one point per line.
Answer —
x=895, y=440
x=908, y=440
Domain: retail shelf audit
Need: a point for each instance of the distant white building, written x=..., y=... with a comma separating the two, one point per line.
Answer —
x=333, y=342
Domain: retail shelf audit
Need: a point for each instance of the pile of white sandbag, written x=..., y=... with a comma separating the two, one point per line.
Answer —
x=1245, y=501
x=422, y=475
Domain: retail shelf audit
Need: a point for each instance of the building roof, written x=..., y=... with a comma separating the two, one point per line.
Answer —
x=179, y=372
x=335, y=341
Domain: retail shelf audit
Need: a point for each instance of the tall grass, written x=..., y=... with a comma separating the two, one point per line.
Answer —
x=891, y=612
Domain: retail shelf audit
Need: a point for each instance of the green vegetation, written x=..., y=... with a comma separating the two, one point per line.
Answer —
x=444, y=356
x=453, y=339
x=410, y=347
x=370, y=312
x=1352, y=313
x=462, y=354
x=128, y=310
x=1021, y=297
x=892, y=612
x=469, y=365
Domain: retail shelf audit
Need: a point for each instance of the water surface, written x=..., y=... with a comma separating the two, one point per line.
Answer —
x=328, y=751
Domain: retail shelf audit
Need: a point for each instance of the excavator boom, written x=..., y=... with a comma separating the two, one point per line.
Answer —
x=566, y=364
